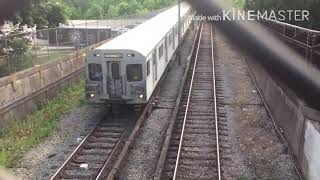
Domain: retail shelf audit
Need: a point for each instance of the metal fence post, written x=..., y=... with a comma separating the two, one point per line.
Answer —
x=34, y=46
x=73, y=37
x=57, y=41
x=87, y=33
x=48, y=38
x=98, y=34
x=121, y=25
x=7, y=54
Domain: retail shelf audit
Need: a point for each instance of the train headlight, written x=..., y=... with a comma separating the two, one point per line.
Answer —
x=141, y=96
x=139, y=90
x=92, y=95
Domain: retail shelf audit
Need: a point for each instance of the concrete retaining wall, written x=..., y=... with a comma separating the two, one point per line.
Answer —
x=23, y=92
x=300, y=124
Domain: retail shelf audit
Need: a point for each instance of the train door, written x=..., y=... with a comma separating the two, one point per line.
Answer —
x=114, y=80
x=154, y=63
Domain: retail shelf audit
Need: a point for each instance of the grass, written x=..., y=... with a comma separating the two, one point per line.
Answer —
x=241, y=102
x=29, y=60
x=21, y=136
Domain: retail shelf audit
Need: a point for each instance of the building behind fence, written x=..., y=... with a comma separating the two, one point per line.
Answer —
x=26, y=49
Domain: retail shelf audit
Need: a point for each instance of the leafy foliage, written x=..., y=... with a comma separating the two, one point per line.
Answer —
x=43, y=13
x=21, y=136
x=16, y=45
x=95, y=9
x=50, y=13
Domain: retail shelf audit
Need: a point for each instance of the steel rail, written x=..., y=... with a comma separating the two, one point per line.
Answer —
x=187, y=107
x=113, y=174
x=103, y=169
x=63, y=166
x=74, y=154
x=275, y=56
x=165, y=147
x=275, y=124
x=215, y=106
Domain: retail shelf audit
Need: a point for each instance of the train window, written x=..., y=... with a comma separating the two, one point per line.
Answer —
x=161, y=51
x=148, y=68
x=173, y=38
x=182, y=26
x=95, y=72
x=154, y=56
x=134, y=72
x=170, y=38
x=115, y=69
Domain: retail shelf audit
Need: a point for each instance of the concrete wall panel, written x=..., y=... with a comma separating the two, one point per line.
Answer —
x=22, y=93
x=17, y=100
x=300, y=124
x=311, y=150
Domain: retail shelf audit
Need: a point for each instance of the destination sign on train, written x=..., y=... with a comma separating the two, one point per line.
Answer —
x=113, y=55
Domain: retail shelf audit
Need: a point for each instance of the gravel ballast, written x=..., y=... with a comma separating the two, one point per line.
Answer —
x=143, y=157
x=43, y=160
x=256, y=149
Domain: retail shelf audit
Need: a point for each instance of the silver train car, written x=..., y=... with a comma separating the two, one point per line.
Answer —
x=127, y=69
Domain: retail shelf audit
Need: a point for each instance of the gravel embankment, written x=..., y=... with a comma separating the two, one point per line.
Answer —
x=143, y=157
x=256, y=150
x=43, y=160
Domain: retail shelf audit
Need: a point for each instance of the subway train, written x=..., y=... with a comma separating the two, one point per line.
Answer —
x=127, y=69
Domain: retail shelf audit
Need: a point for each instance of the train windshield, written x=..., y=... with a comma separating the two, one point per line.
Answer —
x=134, y=72
x=95, y=72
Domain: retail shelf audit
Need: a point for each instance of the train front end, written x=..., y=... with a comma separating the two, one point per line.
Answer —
x=115, y=77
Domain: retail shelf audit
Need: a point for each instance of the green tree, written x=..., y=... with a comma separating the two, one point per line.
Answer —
x=95, y=12
x=18, y=45
x=113, y=11
x=56, y=14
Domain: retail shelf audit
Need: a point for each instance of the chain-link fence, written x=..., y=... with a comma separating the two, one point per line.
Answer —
x=23, y=50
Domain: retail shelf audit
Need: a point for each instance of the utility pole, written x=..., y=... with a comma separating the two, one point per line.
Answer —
x=179, y=35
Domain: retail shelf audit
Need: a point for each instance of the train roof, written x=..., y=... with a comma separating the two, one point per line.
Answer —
x=146, y=36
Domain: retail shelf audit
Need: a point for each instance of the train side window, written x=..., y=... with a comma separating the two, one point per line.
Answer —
x=173, y=38
x=134, y=72
x=154, y=56
x=160, y=51
x=170, y=39
x=95, y=72
x=148, y=68
x=115, y=68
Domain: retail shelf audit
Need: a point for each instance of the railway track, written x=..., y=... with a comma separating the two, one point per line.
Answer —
x=98, y=153
x=94, y=155
x=192, y=146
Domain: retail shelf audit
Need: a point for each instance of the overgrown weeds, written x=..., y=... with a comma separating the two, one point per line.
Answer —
x=21, y=136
